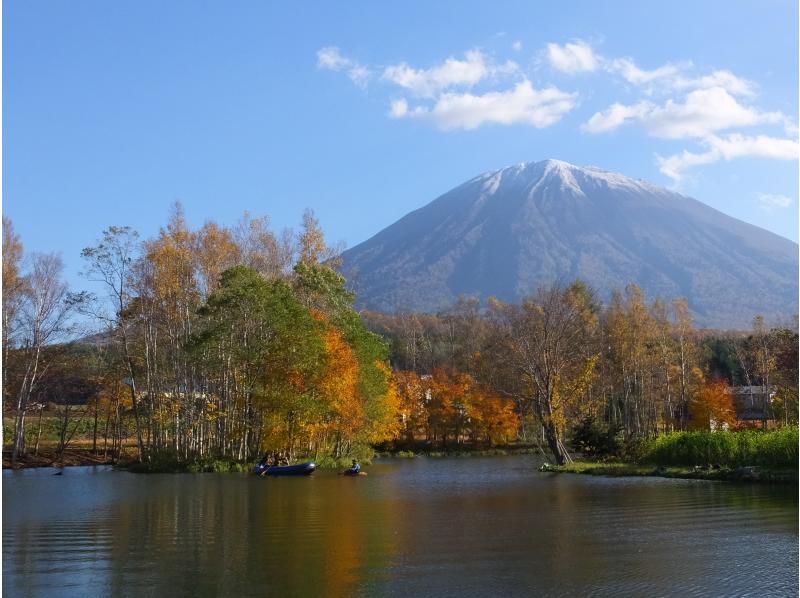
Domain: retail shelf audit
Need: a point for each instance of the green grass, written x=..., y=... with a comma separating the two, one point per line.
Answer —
x=747, y=455
x=448, y=453
x=168, y=464
x=775, y=448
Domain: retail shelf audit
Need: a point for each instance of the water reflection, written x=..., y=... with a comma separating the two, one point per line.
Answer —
x=426, y=527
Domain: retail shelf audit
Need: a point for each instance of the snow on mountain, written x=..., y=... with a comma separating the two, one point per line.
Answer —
x=509, y=231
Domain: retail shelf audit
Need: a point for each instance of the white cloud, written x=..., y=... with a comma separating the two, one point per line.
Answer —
x=704, y=112
x=398, y=108
x=633, y=74
x=670, y=77
x=615, y=116
x=520, y=105
x=579, y=56
x=331, y=58
x=451, y=73
x=572, y=57
x=729, y=148
x=768, y=201
x=517, y=46
x=761, y=146
x=723, y=79
x=359, y=75
x=674, y=166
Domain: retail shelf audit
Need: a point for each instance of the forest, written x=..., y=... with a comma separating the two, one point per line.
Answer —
x=226, y=342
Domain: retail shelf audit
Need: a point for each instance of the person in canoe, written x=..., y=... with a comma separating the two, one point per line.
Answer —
x=264, y=464
x=355, y=468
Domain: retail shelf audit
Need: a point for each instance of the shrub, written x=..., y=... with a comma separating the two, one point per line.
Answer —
x=596, y=440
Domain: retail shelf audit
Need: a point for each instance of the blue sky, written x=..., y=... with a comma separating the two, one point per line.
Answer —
x=366, y=111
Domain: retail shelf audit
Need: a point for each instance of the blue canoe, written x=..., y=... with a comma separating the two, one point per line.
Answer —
x=301, y=469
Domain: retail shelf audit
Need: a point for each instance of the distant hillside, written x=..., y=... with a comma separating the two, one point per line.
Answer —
x=507, y=232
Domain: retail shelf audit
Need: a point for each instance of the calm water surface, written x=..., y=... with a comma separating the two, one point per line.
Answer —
x=424, y=527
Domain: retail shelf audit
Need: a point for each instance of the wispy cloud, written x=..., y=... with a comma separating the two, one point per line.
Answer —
x=702, y=113
x=522, y=104
x=453, y=72
x=461, y=93
x=698, y=107
x=628, y=70
x=579, y=56
x=476, y=89
x=330, y=58
x=769, y=201
x=729, y=148
x=572, y=57
x=718, y=79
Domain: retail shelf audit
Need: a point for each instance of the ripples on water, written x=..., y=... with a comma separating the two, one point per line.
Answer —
x=456, y=527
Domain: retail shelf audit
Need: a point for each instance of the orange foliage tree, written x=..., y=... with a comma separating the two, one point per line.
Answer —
x=337, y=386
x=411, y=404
x=712, y=407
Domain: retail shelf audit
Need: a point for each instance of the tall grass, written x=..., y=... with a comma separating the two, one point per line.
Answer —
x=775, y=448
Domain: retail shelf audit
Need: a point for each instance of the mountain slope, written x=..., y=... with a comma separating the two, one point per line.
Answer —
x=507, y=232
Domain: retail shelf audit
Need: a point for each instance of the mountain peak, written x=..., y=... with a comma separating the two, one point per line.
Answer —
x=561, y=176
x=509, y=231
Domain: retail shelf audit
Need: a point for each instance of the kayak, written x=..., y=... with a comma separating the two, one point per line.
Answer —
x=300, y=469
x=350, y=472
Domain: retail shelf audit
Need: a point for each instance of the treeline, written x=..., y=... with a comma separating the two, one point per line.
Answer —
x=225, y=342
x=218, y=342
x=576, y=368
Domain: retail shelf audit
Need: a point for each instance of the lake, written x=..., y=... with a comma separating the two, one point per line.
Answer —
x=421, y=527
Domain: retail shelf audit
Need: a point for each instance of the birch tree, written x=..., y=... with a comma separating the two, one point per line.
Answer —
x=44, y=319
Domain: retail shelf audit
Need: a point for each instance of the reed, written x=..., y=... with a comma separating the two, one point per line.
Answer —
x=774, y=448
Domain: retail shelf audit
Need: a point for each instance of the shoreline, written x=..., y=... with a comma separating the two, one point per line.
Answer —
x=750, y=474
x=82, y=457
x=70, y=458
x=458, y=453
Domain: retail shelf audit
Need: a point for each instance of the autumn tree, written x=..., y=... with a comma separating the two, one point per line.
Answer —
x=785, y=377
x=258, y=347
x=686, y=352
x=13, y=294
x=411, y=394
x=546, y=347
x=491, y=418
x=712, y=407
x=337, y=388
x=312, y=247
x=260, y=249
x=215, y=251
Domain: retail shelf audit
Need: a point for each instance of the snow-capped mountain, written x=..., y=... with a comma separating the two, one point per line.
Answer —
x=506, y=233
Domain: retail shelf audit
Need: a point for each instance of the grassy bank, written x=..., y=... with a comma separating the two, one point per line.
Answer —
x=772, y=449
x=459, y=452
x=748, y=455
x=168, y=464
x=173, y=466
x=739, y=474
